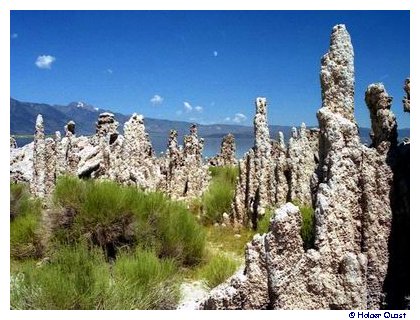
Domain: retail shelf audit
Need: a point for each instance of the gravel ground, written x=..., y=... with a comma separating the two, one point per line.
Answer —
x=192, y=294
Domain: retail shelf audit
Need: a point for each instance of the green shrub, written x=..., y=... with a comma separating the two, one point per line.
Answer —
x=218, y=269
x=182, y=237
x=195, y=206
x=264, y=222
x=21, y=292
x=25, y=213
x=307, y=230
x=228, y=174
x=78, y=277
x=113, y=216
x=75, y=278
x=308, y=226
x=219, y=196
x=143, y=281
x=18, y=199
x=69, y=192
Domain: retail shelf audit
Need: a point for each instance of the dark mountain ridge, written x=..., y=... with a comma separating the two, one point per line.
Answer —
x=23, y=116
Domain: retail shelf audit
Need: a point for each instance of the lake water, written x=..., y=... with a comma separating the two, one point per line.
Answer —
x=211, y=145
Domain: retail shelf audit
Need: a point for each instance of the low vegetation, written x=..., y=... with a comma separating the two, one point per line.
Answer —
x=78, y=277
x=112, y=216
x=74, y=278
x=218, y=198
x=264, y=222
x=143, y=281
x=111, y=247
x=219, y=268
x=307, y=230
x=227, y=239
x=25, y=216
x=115, y=247
x=308, y=226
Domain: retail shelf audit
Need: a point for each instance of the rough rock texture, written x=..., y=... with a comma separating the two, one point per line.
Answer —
x=347, y=267
x=301, y=164
x=50, y=165
x=191, y=294
x=226, y=157
x=337, y=74
x=21, y=163
x=133, y=162
x=262, y=158
x=255, y=189
x=279, y=156
x=70, y=128
x=270, y=174
x=406, y=100
x=174, y=164
x=37, y=185
x=383, y=121
x=41, y=174
x=13, y=143
x=128, y=159
x=185, y=174
x=247, y=288
x=106, y=124
x=397, y=283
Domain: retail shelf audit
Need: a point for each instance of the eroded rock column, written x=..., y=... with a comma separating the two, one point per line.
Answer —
x=13, y=143
x=226, y=157
x=301, y=164
x=186, y=175
x=255, y=188
x=279, y=156
x=406, y=100
x=135, y=163
x=346, y=268
x=38, y=181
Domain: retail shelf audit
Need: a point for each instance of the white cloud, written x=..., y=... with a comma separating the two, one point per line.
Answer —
x=156, y=99
x=227, y=119
x=110, y=71
x=14, y=35
x=198, y=108
x=187, y=106
x=44, y=61
x=215, y=53
x=239, y=118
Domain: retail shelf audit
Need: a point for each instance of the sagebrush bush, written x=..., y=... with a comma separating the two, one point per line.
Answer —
x=18, y=197
x=228, y=174
x=113, y=216
x=143, y=281
x=25, y=214
x=74, y=278
x=219, y=196
x=69, y=192
x=219, y=268
x=78, y=277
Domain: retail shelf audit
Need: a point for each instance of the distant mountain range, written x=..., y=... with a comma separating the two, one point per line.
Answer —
x=23, y=116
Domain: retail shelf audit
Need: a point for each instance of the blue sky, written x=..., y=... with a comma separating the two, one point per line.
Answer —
x=203, y=66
